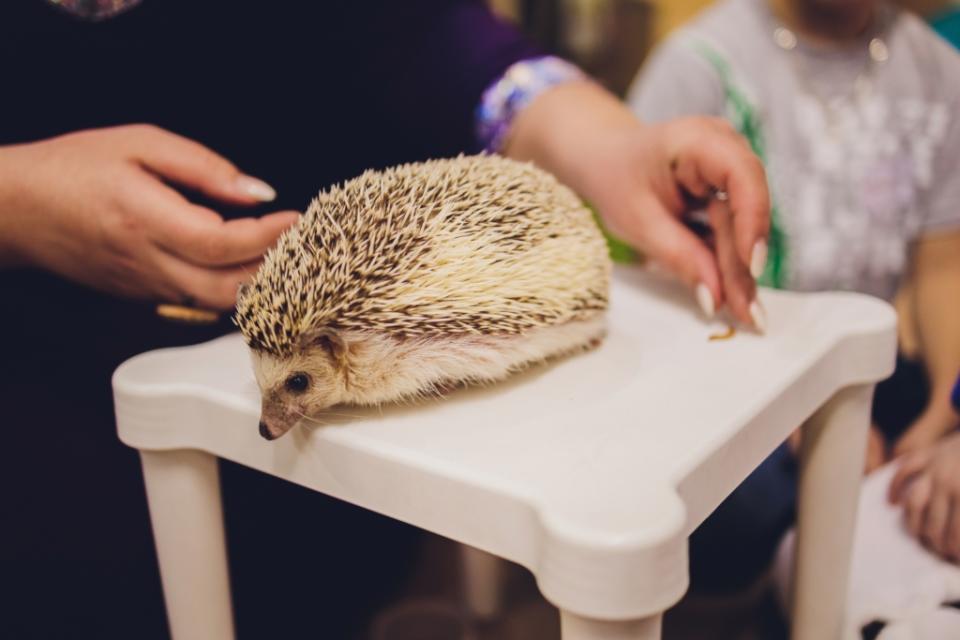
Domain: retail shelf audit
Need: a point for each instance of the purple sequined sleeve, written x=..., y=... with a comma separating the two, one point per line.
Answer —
x=509, y=94
x=956, y=394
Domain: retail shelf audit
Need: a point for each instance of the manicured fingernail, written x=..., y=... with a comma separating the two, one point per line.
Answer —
x=759, y=316
x=705, y=300
x=255, y=188
x=758, y=259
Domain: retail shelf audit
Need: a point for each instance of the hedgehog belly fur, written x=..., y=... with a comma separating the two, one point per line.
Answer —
x=387, y=370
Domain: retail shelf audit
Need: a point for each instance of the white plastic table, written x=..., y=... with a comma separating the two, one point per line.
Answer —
x=591, y=471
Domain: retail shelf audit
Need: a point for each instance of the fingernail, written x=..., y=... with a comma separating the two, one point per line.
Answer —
x=758, y=259
x=705, y=300
x=759, y=316
x=255, y=188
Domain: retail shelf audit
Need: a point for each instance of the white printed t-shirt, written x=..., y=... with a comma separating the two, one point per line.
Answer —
x=856, y=174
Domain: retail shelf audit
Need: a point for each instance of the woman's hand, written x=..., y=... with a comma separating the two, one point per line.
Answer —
x=926, y=431
x=642, y=180
x=95, y=207
x=927, y=484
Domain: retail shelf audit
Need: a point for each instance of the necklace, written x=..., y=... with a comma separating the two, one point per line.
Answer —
x=877, y=53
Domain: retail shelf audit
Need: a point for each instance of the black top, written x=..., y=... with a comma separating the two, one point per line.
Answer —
x=301, y=93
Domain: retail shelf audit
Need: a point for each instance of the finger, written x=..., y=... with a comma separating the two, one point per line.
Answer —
x=724, y=161
x=218, y=243
x=199, y=235
x=687, y=174
x=211, y=288
x=188, y=163
x=739, y=288
x=915, y=507
x=935, y=523
x=909, y=467
x=671, y=244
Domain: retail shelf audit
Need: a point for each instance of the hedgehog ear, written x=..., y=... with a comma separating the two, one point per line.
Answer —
x=330, y=342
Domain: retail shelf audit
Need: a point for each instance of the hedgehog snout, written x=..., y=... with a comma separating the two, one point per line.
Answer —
x=277, y=415
x=272, y=428
x=265, y=431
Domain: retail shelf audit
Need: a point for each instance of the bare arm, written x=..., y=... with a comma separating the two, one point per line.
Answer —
x=936, y=308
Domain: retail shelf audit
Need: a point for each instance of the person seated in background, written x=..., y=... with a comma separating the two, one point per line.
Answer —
x=855, y=109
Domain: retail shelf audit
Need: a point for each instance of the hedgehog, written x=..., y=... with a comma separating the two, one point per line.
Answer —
x=409, y=281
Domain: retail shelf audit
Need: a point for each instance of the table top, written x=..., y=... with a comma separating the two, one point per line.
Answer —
x=605, y=460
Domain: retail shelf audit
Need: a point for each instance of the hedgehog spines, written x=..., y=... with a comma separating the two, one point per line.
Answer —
x=474, y=244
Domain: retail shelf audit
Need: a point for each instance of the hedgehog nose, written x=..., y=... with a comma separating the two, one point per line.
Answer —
x=265, y=432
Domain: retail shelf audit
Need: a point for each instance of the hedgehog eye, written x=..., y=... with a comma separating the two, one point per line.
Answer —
x=297, y=383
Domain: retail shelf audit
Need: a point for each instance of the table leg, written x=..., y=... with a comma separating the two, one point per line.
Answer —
x=482, y=582
x=831, y=468
x=183, y=490
x=574, y=627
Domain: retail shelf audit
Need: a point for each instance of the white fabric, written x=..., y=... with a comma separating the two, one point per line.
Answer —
x=892, y=578
x=940, y=624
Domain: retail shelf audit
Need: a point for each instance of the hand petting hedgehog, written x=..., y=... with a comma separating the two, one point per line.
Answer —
x=404, y=281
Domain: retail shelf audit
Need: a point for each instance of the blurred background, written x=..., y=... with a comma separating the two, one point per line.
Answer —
x=611, y=38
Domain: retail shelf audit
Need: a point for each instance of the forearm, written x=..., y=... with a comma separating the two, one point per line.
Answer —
x=937, y=308
x=555, y=129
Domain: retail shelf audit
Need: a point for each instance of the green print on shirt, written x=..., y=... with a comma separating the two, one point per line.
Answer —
x=746, y=120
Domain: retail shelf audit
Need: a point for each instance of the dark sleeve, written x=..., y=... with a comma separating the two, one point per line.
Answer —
x=429, y=65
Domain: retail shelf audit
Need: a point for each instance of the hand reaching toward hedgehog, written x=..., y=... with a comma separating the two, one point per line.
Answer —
x=95, y=207
x=641, y=179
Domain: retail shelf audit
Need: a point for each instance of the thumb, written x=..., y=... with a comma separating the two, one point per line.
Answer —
x=190, y=164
